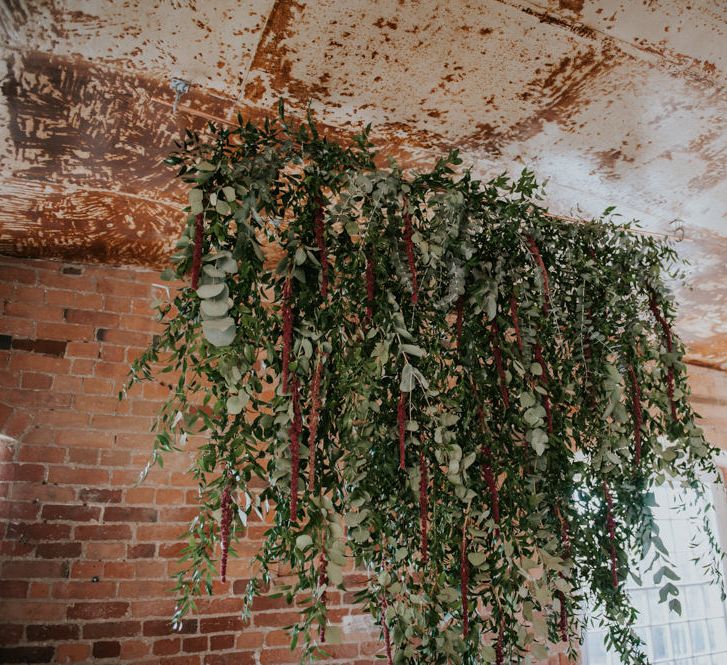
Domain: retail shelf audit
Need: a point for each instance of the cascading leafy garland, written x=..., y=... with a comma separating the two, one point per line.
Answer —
x=470, y=398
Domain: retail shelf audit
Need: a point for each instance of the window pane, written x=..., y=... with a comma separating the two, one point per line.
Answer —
x=699, y=635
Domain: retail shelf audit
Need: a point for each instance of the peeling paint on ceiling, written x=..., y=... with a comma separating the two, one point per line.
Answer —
x=611, y=101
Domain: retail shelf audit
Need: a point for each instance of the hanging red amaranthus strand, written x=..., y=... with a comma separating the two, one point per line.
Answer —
x=296, y=427
x=197, y=254
x=287, y=329
x=401, y=420
x=409, y=245
x=464, y=581
x=565, y=544
x=323, y=583
x=313, y=420
x=516, y=322
x=385, y=630
x=611, y=526
x=636, y=406
x=225, y=522
x=320, y=233
x=499, y=647
x=460, y=322
x=497, y=355
x=423, y=505
x=488, y=476
x=370, y=287
x=538, y=258
x=659, y=316
x=538, y=353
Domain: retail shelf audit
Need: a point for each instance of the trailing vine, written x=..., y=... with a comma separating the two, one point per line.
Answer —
x=429, y=375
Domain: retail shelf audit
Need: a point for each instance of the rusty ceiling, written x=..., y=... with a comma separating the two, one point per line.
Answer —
x=613, y=101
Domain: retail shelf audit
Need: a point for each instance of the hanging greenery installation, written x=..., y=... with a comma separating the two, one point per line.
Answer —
x=428, y=377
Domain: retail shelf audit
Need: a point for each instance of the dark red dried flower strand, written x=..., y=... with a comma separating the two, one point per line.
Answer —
x=666, y=328
x=636, y=407
x=409, y=244
x=323, y=582
x=611, y=526
x=538, y=353
x=464, y=581
x=385, y=630
x=197, y=253
x=460, y=321
x=563, y=617
x=287, y=329
x=423, y=505
x=313, y=420
x=296, y=427
x=538, y=258
x=497, y=355
x=488, y=476
x=516, y=322
x=544, y=379
x=499, y=647
x=320, y=233
x=401, y=420
x=370, y=287
x=225, y=522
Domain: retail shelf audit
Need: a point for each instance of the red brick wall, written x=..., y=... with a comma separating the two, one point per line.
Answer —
x=87, y=555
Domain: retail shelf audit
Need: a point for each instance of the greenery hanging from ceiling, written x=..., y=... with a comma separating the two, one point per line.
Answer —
x=469, y=398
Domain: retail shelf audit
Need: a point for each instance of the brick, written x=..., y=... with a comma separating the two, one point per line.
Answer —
x=92, y=317
x=121, y=514
x=19, y=510
x=41, y=453
x=232, y=658
x=167, y=647
x=73, y=652
x=70, y=550
x=64, y=475
x=111, y=629
x=35, y=654
x=221, y=642
x=141, y=551
x=34, y=569
x=98, y=495
x=105, y=610
x=34, y=473
x=38, y=531
x=275, y=619
x=86, y=589
x=71, y=513
x=83, y=456
x=106, y=649
x=32, y=611
x=223, y=624
x=35, y=381
x=52, y=632
x=10, y=634
x=85, y=438
x=13, y=589
x=195, y=644
x=50, y=347
x=104, y=532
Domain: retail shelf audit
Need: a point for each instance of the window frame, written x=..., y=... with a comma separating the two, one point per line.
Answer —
x=719, y=501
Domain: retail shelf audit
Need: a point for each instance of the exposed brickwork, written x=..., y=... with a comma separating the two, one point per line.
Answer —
x=87, y=555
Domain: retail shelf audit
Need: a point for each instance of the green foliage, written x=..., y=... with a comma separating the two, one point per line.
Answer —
x=512, y=369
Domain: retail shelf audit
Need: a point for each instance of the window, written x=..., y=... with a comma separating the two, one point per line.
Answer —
x=699, y=635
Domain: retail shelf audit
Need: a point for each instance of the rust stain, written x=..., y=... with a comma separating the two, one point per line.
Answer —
x=560, y=93
x=575, y=6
